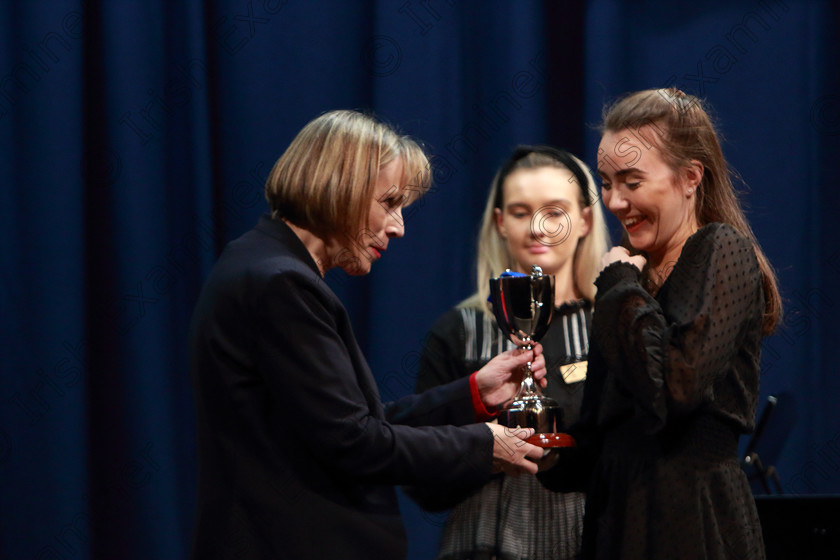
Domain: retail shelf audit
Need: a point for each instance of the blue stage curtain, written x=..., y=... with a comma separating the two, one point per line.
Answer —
x=136, y=140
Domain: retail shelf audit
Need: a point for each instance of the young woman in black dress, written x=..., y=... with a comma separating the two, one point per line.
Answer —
x=676, y=344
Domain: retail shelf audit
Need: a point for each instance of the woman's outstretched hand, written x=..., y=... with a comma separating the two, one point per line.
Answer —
x=499, y=379
x=511, y=453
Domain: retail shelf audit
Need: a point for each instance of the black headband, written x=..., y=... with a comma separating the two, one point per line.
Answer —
x=562, y=156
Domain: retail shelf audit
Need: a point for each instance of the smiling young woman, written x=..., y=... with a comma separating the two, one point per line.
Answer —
x=654, y=203
x=676, y=344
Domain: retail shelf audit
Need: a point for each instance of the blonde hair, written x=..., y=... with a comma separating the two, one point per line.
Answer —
x=493, y=256
x=685, y=132
x=325, y=179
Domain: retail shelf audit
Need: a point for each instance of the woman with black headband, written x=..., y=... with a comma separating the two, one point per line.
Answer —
x=541, y=211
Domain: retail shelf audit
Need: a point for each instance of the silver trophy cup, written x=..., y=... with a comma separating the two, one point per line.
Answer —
x=523, y=306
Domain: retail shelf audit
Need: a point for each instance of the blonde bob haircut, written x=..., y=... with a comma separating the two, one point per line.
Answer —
x=493, y=255
x=324, y=181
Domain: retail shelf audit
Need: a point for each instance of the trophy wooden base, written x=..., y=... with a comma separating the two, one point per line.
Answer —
x=552, y=440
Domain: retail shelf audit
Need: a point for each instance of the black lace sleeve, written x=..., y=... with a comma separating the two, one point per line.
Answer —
x=671, y=354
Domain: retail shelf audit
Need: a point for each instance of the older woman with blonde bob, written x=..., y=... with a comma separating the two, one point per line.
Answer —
x=298, y=456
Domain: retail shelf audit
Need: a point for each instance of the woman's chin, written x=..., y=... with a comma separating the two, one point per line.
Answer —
x=356, y=267
x=548, y=265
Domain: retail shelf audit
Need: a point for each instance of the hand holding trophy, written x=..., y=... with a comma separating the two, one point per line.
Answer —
x=522, y=306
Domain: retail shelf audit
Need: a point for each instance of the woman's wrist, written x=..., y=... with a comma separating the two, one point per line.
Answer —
x=483, y=413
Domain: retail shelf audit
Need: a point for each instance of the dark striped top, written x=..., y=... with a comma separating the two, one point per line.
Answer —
x=512, y=517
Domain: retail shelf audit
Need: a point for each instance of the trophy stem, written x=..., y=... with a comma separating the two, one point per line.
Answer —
x=528, y=388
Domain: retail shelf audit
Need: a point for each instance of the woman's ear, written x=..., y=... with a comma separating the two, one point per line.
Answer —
x=585, y=222
x=500, y=223
x=693, y=175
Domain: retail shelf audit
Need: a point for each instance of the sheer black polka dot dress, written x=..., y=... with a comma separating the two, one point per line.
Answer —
x=673, y=381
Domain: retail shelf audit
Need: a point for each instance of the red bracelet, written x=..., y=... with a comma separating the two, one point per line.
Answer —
x=481, y=412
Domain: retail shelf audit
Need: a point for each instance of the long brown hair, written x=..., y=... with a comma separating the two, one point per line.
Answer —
x=684, y=132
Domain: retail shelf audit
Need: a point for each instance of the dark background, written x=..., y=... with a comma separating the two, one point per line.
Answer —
x=136, y=137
